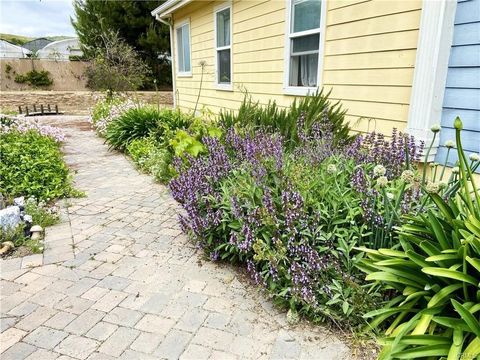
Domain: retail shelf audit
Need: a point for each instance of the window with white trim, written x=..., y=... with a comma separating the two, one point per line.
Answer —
x=223, y=47
x=183, y=49
x=304, y=43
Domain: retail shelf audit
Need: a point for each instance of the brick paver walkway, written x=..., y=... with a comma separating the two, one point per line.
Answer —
x=119, y=280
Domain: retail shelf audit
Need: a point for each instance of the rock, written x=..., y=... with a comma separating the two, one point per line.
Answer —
x=9, y=218
x=19, y=201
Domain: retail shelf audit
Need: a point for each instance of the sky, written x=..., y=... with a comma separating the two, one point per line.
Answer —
x=36, y=18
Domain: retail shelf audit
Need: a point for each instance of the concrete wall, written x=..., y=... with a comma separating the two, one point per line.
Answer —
x=72, y=102
x=66, y=75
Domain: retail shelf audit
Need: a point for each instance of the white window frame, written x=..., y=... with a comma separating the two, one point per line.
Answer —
x=177, y=26
x=218, y=85
x=303, y=90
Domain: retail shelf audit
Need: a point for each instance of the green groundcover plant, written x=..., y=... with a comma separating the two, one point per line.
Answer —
x=433, y=276
x=32, y=165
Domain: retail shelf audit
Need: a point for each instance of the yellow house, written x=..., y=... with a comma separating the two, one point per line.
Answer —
x=386, y=60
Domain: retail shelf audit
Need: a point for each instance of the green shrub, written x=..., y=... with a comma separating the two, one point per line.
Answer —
x=133, y=124
x=286, y=120
x=140, y=122
x=434, y=276
x=34, y=78
x=160, y=165
x=140, y=150
x=32, y=165
x=152, y=158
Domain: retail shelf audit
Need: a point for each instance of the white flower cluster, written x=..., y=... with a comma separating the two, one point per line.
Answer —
x=24, y=124
x=379, y=170
x=408, y=176
x=331, y=169
x=115, y=111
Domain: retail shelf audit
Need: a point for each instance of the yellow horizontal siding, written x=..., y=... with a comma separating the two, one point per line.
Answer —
x=367, y=44
x=389, y=94
x=377, y=60
x=392, y=77
x=335, y=4
x=370, y=9
x=368, y=59
x=378, y=25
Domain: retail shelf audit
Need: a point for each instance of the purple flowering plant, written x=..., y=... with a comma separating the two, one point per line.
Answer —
x=249, y=201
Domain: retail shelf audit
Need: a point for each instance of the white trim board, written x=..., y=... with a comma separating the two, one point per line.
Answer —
x=431, y=66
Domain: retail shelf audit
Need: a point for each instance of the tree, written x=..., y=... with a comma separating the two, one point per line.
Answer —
x=133, y=22
x=115, y=66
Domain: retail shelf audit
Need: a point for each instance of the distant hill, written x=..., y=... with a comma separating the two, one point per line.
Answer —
x=20, y=40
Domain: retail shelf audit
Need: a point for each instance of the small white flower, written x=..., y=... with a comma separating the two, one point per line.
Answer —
x=432, y=165
x=382, y=181
x=390, y=196
x=379, y=170
x=432, y=187
x=456, y=170
x=474, y=157
x=331, y=169
x=408, y=176
x=449, y=144
x=435, y=128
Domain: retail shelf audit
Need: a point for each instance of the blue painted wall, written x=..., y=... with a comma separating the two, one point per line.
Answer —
x=462, y=91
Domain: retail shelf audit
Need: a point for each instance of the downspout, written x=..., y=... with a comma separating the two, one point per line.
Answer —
x=170, y=26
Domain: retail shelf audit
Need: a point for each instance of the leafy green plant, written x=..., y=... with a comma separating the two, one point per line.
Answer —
x=133, y=124
x=32, y=165
x=285, y=120
x=41, y=213
x=152, y=158
x=434, y=277
x=35, y=78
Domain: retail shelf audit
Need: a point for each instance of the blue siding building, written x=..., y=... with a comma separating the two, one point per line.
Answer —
x=462, y=89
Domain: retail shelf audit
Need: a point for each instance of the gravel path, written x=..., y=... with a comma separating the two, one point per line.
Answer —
x=118, y=279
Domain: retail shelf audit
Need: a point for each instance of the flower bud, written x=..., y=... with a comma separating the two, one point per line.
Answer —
x=457, y=124
x=435, y=128
x=456, y=170
x=449, y=144
x=474, y=157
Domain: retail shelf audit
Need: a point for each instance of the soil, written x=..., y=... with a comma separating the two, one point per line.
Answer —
x=18, y=252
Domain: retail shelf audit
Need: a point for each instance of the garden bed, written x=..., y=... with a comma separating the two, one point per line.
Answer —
x=33, y=175
x=339, y=229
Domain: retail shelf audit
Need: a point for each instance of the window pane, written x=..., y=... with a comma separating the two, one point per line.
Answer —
x=304, y=70
x=306, y=43
x=186, y=47
x=223, y=58
x=223, y=28
x=181, y=63
x=306, y=15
